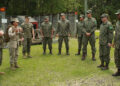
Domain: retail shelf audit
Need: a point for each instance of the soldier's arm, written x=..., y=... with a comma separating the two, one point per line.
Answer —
x=58, y=28
x=94, y=27
x=69, y=30
x=84, y=30
x=33, y=32
x=11, y=33
x=110, y=33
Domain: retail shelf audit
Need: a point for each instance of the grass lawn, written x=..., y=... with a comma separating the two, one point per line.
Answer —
x=54, y=70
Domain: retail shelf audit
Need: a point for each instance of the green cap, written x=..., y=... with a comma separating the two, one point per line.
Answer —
x=81, y=15
x=118, y=12
x=104, y=15
x=62, y=14
x=89, y=11
x=46, y=17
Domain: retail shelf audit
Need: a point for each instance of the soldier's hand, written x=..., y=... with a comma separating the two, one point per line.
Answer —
x=57, y=35
x=51, y=36
x=113, y=45
x=69, y=35
x=1, y=33
x=33, y=38
x=22, y=39
x=88, y=34
x=109, y=44
x=42, y=36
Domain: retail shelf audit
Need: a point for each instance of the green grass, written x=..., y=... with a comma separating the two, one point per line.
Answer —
x=54, y=70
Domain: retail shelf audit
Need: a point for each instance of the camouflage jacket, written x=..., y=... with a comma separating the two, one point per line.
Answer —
x=63, y=28
x=90, y=25
x=27, y=30
x=47, y=29
x=117, y=35
x=79, y=31
x=106, y=33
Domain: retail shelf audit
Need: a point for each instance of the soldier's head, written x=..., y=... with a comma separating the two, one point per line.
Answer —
x=14, y=23
x=89, y=13
x=81, y=17
x=26, y=19
x=104, y=17
x=63, y=16
x=46, y=19
x=118, y=14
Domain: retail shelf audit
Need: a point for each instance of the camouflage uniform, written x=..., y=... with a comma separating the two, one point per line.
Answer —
x=27, y=34
x=63, y=30
x=106, y=36
x=13, y=45
x=79, y=33
x=90, y=26
x=47, y=29
x=1, y=49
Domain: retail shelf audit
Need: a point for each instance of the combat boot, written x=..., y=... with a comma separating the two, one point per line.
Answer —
x=2, y=73
x=93, y=57
x=59, y=53
x=24, y=56
x=117, y=73
x=67, y=52
x=44, y=52
x=106, y=67
x=28, y=55
x=84, y=56
x=50, y=51
x=78, y=52
x=102, y=65
x=16, y=65
x=12, y=67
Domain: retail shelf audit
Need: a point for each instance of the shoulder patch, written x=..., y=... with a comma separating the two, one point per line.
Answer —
x=110, y=27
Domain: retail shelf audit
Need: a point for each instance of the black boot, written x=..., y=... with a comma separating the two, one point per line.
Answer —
x=78, y=52
x=102, y=64
x=67, y=52
x=50, y=51
x=117, y=73
x=59, y=53
x=44, y=52
x=84, y=56
x=93, y=57
x=106, y=67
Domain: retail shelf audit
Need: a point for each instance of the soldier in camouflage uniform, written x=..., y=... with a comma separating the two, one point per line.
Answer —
x=63, y=31
x=28, y=33
x=90, y=26
x=105, y=42
x=79, y=33
x=1, y=49
x=47, y=34
x=13, y=44
x=117, y=45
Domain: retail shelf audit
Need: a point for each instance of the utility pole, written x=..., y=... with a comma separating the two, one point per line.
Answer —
x=85, y=6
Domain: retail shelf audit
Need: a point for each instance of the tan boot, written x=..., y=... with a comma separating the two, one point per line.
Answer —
x=24, y=56
x=12, y=67
x=2, y=73
x=16, y=65
x=29, y=56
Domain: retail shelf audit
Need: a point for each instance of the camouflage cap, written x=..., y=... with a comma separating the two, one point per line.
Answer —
x=118, y=12
x=15, y=20
x=46, y=17
x=89, y=11
x=104, y=15
x=62, y=14
x=81, y=15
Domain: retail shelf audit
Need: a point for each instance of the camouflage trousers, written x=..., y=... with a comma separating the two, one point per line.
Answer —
x=13, y=55
x=117, y=57
x=47, y=40
x=80, y=43
x=1, y=54
x=66, y=40
x=27, y=45
x=104, y=51
x=91, y=40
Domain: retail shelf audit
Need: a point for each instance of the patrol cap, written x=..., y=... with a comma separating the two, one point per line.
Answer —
x=81, y=15
x=104, y=15
x=46, y=17
x=14, y=20
x=62, y=14
x=118, y=12
x=89, y=11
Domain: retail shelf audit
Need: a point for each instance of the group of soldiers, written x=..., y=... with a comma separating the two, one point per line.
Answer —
x=85, y=33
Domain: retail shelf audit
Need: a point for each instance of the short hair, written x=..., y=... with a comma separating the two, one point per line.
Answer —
x=12, y=22
x=26, y=17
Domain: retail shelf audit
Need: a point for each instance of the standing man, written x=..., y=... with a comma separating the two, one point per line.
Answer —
x=1, y=49
x=117, y=45
x=105, y=42
x=13, y=44
x=79, y=33
x=90, y=25
x=28, y=33
x=63, y=31
x=47, y=34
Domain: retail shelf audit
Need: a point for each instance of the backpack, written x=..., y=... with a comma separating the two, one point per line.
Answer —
x=6, y=35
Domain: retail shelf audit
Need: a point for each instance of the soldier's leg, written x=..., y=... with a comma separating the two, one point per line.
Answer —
x=29, y=41
x=16, y=58
x=24, y=47
x=79, y=45
x=66, y=40
x=85, y=43
x=117, y=61
x=12, y=56
x=44, y=45
x=1, y=53
x=60, y=41
x=50, y=44
x=101, y=51
x=92, y=43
